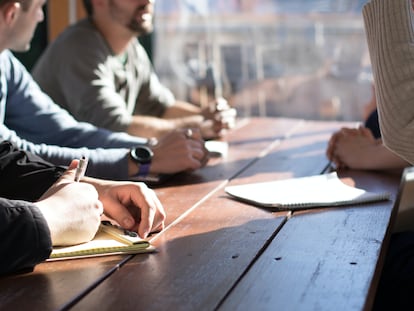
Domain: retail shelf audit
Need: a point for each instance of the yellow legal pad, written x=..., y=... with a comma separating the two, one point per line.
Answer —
x=109, y=240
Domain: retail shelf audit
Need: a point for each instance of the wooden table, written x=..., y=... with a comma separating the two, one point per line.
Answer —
x=220, y=254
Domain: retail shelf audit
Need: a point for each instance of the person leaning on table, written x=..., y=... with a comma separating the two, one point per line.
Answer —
x=362, y=148
x=30, y=119
x=98, y=71
x=389, y=31
x=38, y=208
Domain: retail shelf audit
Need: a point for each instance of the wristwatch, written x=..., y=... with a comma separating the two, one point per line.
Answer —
x=142, y=156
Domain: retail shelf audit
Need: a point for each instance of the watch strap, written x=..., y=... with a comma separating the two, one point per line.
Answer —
x=143, y=169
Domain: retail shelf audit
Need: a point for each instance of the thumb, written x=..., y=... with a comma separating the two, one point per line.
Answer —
x=70, y=173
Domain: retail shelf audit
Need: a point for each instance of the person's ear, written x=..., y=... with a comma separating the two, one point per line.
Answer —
x=10, y=11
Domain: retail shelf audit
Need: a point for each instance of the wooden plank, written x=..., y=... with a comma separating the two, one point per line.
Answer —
x=246, y=143
x=323, y=259
x=305, y=145
x=52, y=285
x=58, y=283
x=201, y=257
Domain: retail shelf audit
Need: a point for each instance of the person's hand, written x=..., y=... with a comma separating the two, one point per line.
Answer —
x=131, y=204
x=180, y=150
x=218, y=118
x=72, y=209
x=352, y=148
x=331, y=147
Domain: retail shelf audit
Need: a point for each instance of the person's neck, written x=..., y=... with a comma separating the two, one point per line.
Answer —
x=3, y=42
x=117, y=38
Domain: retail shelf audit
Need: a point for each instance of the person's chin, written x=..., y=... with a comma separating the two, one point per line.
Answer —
x=21, y=48
x=142, y=28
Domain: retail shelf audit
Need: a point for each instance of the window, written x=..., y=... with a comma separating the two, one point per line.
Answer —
x=292, y=58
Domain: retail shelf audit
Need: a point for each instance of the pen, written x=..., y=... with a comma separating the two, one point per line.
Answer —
x=81, y=169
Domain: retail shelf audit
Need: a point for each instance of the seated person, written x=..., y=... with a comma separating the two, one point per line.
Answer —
x=98, y=71
x=30, y=119
x=38, y=209
x=391, y=57
x=389, y=32
x=362, y=148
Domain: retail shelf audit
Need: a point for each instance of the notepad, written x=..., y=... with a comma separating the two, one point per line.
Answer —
x=302, y=193
x=109, y=240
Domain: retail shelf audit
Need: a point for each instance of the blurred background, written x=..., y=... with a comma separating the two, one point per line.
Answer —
x=291, y=58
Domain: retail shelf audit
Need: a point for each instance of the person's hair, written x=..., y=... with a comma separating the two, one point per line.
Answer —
x=87, y=4
x=24, y=3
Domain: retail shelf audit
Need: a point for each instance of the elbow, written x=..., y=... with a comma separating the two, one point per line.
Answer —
x=399, y=142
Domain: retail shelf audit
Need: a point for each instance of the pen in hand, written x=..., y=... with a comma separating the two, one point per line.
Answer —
x=81, y=169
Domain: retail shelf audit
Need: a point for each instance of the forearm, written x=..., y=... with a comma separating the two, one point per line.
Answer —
x=181, y=109
x=146, y=126
x=390, y=38
x=385, y=159
x=103, y=163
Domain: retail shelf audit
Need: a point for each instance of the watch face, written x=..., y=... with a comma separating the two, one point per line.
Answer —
x=142, y=154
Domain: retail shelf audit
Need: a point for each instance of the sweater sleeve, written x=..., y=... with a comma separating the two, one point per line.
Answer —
x=390, y=37
x=35, y=123
x=98, y=87
x=24, y=236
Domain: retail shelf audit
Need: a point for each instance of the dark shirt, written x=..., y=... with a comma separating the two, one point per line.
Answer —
x=24, y=234
x=372, y=123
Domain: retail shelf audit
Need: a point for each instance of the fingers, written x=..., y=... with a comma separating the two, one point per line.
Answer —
x=152, y=215
x=331, y=145
x=332, y=152
x=192, y=133
x=349, y=131
x=345, y=146
x=366, y=132
x=185, y=147
x=188, y=133
x=197, y=150
x=225, y=119
x=134, y=206
x=221, y=115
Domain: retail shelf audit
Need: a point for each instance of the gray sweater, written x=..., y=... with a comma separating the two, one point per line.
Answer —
x=390, y=37
x=81, y=73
